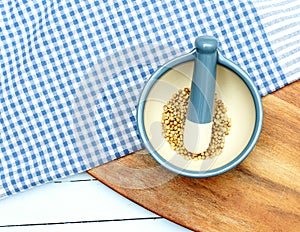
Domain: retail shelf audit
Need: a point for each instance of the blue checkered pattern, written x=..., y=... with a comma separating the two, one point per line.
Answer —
x=72, y=72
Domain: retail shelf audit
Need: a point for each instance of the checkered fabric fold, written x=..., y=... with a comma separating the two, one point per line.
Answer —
x=72, y=72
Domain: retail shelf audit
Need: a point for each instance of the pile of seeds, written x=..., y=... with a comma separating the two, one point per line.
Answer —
x=173, y=120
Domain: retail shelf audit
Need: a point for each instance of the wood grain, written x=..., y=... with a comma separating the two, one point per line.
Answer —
x=261, y=194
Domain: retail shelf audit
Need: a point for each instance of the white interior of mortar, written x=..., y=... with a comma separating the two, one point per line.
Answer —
x=236, y=97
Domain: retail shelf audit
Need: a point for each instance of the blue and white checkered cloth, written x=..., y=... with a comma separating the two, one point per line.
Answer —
x=72, y=72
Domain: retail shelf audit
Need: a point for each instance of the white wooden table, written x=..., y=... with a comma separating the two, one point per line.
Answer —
x=77, y=203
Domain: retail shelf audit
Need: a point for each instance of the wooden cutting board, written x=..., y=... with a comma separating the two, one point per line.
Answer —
x=261, y=194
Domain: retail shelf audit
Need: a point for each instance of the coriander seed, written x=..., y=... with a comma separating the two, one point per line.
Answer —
x=173, y=122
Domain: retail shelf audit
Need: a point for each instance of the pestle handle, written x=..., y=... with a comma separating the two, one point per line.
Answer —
x=204, y=80
x=197, y=134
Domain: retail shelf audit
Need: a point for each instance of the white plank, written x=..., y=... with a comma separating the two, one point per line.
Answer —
x=67, y=201
x=77, y=177
x=148, y=225
x=80, y=198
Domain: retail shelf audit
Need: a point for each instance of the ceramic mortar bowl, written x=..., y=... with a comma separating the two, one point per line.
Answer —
x=234, y=88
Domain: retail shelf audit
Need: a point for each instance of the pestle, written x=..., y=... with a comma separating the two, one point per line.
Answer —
x=198, y=125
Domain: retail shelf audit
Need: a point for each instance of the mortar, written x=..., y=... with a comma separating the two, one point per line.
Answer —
x=233, y=86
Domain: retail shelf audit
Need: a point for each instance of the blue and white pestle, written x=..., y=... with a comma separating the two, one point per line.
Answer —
x=198, y=125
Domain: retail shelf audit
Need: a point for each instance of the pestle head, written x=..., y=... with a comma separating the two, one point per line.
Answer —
x=206, y=44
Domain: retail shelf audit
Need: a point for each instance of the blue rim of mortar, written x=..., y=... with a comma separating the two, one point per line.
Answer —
x=209, y=173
